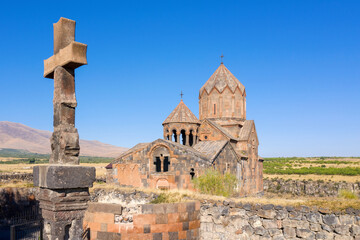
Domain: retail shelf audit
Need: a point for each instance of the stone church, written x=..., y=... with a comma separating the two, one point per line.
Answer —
x=220, y=138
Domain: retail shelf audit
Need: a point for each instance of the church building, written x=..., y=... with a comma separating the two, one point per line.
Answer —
x=221, y=138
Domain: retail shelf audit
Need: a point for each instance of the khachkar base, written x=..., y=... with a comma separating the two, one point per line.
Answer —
x=63, y=197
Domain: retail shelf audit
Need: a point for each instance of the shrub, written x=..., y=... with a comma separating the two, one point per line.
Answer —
x=343, y=193
x=215, y=183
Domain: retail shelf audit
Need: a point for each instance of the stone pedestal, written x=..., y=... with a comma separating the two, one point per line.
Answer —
x=64, y=185
x=63, y=196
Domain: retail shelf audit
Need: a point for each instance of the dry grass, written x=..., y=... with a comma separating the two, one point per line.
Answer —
x=17, y=184
x=337, y=204
x=5, y=159
x=334, y=178
x=28, y=168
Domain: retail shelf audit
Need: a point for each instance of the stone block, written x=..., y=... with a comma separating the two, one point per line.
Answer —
x=346, y=219
x=260, y=231
x=316, y=227
x=289, y=232
x=342, y=237
x=161, y=219
x=72, y=56
x=331, y=220
x=63, y=177
x=281, y=214
x=342, y=229
x=268, y=214
x=269, y=224
x=355, y=230
x=105, y=208
x=324, y=235
x=305, y=233
x=314, y=217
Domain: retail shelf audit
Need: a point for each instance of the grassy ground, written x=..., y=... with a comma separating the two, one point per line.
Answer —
x=314, y=177
x=334, y=203
x=28, y=168
x=313, y=166
x=322, y=168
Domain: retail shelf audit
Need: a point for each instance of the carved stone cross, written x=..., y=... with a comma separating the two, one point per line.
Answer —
x=68, y=55
x=64, y=184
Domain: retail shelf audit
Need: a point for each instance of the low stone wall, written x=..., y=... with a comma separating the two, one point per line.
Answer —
x=237, y=221
x=146, y=221
x=16, y=176
x=309, y=188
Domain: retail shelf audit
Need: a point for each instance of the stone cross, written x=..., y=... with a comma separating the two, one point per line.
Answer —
x=64, y=184
x=68, y=55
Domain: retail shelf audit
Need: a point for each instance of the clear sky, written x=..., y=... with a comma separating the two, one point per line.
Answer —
x=299, y=62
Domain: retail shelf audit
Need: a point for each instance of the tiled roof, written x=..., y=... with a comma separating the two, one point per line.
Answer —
x=221, y=79
x=181, y=114
x=136, y=148
x=245, y=131
x=141, y=146
x=210, y=148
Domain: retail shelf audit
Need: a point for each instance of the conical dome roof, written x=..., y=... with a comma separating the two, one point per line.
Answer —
x=181, y=114
x=221, y=79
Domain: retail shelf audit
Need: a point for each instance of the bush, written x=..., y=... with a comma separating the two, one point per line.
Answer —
x=215, y=183
x=347, y=194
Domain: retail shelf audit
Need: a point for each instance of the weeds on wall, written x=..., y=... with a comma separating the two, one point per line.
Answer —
x=343, y=193
x=215, y=183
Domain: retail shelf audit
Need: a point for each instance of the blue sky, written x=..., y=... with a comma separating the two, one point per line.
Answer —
x=299, y=62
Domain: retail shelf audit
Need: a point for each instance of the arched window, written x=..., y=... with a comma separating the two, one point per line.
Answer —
x=192, y=173
x=158, y=164
x=166, y=164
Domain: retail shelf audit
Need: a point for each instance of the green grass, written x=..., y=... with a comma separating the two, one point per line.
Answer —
x=293, y=166
x=348, y=171
x=215, y=183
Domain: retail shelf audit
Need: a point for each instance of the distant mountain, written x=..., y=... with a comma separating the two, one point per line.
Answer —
x=18, y=136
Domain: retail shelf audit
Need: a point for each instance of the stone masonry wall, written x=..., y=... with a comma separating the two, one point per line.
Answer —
x=237, y=221
x=147, y=221
x=16, y=176
x=309, y=188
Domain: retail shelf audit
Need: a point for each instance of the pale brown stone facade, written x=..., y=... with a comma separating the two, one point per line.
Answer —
x=222, y=138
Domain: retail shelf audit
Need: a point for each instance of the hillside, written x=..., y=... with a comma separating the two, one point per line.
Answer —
x=18, y=136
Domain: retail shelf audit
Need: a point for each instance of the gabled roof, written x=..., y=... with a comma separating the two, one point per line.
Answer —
x=213, y=148
x=221, y=79
x=142, y=146
x=221, y=129
x=134, y=149
x=245, y=131
x=210, y=148
x=181, y=114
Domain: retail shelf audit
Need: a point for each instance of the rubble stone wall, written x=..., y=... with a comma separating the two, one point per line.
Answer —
x=146, y=221
x=309, y=188
x=16, y=176
x=237, y=221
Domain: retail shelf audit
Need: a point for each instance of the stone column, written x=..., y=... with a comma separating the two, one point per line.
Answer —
x=194, y=139
x=187, y=135
x=177, y=138
x=64, y=185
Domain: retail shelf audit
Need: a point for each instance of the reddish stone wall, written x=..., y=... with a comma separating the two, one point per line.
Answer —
x=149, y=221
